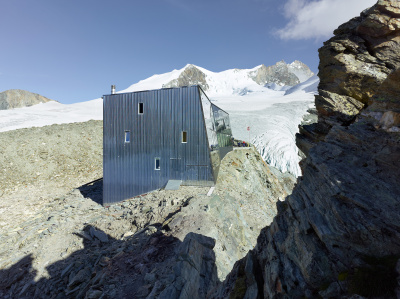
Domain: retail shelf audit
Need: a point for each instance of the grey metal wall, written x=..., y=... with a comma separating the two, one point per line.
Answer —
x=129, y=168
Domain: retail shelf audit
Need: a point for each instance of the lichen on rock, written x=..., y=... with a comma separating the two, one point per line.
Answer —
x=355, y=63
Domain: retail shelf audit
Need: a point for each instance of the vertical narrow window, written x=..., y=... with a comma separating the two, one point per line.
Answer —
x=184, y=137
x=157, y=163
x=127, y=136
x=140, y=108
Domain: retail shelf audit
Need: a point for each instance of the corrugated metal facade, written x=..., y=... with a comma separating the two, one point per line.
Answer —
x=130, y=165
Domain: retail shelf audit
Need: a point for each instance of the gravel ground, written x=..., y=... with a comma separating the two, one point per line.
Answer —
x=58, y=156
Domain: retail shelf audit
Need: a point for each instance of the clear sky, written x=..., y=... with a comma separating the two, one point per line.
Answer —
x=72, y=51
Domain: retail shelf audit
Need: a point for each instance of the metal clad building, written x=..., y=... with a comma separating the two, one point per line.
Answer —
x=151, y=137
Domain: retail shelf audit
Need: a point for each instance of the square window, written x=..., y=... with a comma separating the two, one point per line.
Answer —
x=184, y=137
x=140, y=108
x=157, y=163
x=127, y=136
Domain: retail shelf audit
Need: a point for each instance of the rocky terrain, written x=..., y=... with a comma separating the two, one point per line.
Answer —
x=58, y=241
x=17, y=98
x=338, y=234
x=53, y=157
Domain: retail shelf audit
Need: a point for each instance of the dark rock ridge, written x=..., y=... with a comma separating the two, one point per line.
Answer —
x=338, y=234
x=17, y=98
x=190, y=76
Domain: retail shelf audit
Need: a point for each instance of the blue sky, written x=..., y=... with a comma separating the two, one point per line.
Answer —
x=72, y=51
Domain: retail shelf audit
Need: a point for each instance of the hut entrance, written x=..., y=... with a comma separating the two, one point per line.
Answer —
x=175, y=169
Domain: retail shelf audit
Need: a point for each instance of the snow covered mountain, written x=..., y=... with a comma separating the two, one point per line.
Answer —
x=260, y=99
x=230, y=82
x=310, y=85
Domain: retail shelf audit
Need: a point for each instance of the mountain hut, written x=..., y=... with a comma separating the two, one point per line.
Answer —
x=173, y=136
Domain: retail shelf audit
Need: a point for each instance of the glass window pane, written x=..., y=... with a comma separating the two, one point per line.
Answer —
x=157, y=163
x=127, y=136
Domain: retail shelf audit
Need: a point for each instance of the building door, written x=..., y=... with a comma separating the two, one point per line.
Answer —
x=175, y=171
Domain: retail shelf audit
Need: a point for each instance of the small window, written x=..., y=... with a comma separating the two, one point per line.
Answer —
x=127, y=136
x=184, y=137
x=140, y=108
x=157, y=164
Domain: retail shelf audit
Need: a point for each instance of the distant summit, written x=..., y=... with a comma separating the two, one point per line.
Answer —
x=17, y=98
x=191, y=75
x=229, y=82
x=301, y=70
x=282, y=74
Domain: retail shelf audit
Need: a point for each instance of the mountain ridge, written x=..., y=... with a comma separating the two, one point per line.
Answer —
x=18, y=98
x=229, y=81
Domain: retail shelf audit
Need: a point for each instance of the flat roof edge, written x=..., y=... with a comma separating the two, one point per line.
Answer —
x=147, y=90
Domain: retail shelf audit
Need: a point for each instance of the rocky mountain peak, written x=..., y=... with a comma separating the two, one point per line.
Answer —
x=282, y=73
x=278, y=74
x=17, y=98
x=191, y=75
x=301, y=70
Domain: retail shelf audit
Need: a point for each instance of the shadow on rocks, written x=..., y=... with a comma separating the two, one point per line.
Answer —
x=149, y=264
x=93, y=190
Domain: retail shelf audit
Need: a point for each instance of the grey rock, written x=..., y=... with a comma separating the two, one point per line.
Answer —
x=84, y=235
x=190, y=76
x=150, y=278
x=100, y=235
x=169, y=293
x=157, y=289
x=25, y=288
x=67, y=269
x=343, y=213
x=144, y=290
x=93, y=294
x=82, y=276
x=195, y=269
x=278, y=73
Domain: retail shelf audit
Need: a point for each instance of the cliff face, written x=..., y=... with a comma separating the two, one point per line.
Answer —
x=16, y=98
x=338, y=234
x=353, y=66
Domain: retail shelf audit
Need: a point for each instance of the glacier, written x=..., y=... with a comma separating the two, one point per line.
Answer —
x=273, y=118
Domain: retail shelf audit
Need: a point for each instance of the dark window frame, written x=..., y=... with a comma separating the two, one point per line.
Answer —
x=184, y=137
x=157, y=159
